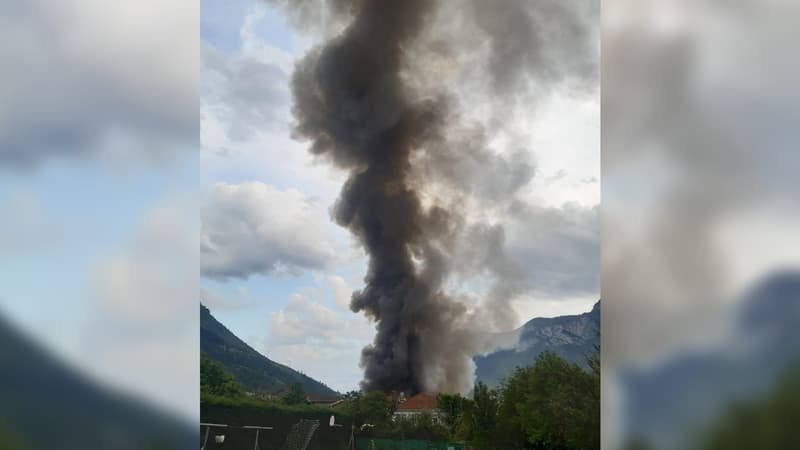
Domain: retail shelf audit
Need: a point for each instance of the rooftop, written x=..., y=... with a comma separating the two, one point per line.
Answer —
x=319, y=398
x=419, y=402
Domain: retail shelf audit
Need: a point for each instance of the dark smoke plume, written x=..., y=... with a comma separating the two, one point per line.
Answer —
x=360, y=101
x=350, y=100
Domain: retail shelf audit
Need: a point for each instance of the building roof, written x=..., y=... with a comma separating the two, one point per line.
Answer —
x=319, y=398
x=419, y=402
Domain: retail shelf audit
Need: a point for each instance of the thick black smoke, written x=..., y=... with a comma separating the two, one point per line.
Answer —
x=363, y=102
x=350, y=100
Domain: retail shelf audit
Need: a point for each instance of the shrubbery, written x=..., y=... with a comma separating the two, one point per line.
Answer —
x=551, y=404
x=216, y=381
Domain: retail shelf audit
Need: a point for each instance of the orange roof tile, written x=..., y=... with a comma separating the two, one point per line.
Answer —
x=419, y=402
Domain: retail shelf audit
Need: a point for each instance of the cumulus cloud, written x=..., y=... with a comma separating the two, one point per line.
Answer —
x=341, y=292
x=157, y=266
x=141, y=331
x=322, y=342
x=252, y=228
x=85, y=80
x=302, y=320
x=216, y=301
x=246, y=94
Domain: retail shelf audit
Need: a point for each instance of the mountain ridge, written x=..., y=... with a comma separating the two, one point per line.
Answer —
x=48, y=403
x=692, y=388
x=573, y=337
x=248, y=366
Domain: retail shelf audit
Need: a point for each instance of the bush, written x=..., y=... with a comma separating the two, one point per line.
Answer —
x=552, y=404
x=214, y=380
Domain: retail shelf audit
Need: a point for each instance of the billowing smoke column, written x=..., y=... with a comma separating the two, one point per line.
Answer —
x=351, y=102
x=377, y=101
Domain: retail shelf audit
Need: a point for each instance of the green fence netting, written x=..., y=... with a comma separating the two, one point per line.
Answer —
x=363, y=443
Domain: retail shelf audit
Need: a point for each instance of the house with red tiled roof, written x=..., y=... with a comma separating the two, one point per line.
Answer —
x=417, y=404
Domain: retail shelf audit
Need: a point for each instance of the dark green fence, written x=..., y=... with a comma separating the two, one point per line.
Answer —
x=363, y=443
x=325, y=438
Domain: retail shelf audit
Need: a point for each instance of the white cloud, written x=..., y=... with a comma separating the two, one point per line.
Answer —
x=85, y=78
x=323, y=343
x=302, y=320
x=253, y=228
x=142, y=330
x=254, y=46
x=305, y=319
x=216, y=301
x=528, y=308
x=244, y=93
x=245, y=117
x=341, y=292
x=153, y=276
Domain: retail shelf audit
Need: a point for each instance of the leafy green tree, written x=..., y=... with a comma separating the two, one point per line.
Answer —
x=419, y=426
x=591, y=434
x=510, y=433
x=350, y=405
x=595, y=407
x=552, y=404
x=214, y=380
x=767, y=423
x=8, y=441
x=593, y=360
x=557, y=403
x=479, y=417
x=350, y=395
x=376, y=407
x=296, y=395
x=452, y=407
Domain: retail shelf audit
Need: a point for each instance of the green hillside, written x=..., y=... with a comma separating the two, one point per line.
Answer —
x=253, y=370
x=46, y=403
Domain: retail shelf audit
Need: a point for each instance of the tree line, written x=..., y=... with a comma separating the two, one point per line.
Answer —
x=551, y=404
